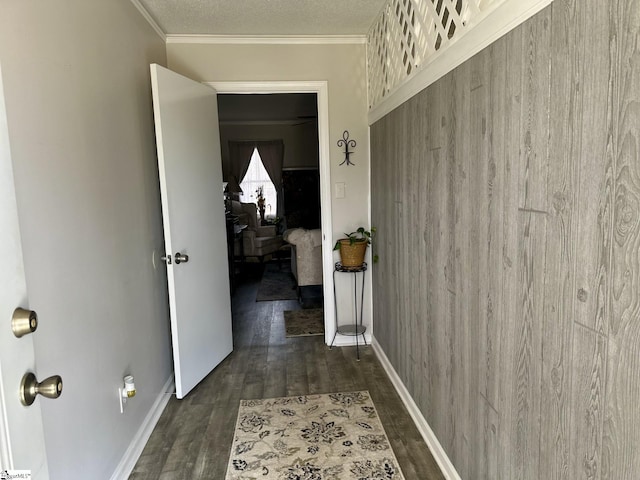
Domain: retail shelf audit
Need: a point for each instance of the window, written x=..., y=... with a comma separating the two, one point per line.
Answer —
x=255, y=178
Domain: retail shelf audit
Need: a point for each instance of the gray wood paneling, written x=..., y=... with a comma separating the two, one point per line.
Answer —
x=559, y=292
x=622, y=415
x=586, y=414
x=507, y=201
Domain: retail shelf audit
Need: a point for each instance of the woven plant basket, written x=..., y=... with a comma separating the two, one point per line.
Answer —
x=352, y=255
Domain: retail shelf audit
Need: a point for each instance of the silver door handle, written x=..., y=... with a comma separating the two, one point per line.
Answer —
x=30, y=387
x=23, y=322
x=179, y=258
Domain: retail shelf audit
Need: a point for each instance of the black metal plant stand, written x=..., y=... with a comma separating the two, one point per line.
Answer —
x=356, y=328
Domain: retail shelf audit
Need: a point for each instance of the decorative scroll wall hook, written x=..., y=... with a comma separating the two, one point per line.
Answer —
x=346, y=143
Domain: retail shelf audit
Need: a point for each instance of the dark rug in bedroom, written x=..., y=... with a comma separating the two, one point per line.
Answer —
x=277, y=283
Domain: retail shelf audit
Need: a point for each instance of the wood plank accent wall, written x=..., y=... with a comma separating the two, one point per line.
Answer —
x=507, y=202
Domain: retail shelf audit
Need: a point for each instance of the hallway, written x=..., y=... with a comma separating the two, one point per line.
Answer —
x=193, y=436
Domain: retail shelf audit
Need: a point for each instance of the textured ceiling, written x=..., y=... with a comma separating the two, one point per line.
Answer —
x=264, y=17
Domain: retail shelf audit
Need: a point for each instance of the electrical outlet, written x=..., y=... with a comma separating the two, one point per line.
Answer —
x=123, y=399
x=129, y=391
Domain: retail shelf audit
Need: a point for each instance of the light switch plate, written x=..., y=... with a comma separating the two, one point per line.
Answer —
x=340, y=190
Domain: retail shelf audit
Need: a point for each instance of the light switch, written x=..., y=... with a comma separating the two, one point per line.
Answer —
x=340, y=190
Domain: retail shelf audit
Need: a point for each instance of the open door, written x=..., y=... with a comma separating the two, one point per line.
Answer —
x=190, y=168
x=22, y=444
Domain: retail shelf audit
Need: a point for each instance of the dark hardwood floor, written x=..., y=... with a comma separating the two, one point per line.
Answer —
x=193, y=437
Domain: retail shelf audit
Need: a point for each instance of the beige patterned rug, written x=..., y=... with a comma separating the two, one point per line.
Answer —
x=334, y=436
x=304, y=323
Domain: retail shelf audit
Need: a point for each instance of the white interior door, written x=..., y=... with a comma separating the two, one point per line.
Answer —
x=190, y=166
x=21, y=434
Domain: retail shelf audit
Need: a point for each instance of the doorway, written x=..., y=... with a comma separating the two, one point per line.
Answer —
x=319, y=90
x=289, y=118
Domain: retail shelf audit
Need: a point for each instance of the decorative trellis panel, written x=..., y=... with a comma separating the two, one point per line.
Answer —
x=408, y=32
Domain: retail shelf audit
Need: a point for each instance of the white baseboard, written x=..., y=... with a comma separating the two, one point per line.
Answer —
x=130, y=457
x=440, y=456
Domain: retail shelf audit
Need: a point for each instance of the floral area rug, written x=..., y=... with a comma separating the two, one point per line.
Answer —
x=303, y=323
x=335, y=436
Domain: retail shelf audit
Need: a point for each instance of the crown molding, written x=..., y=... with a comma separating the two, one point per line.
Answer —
x=248, y=39
x=147, y=16
x=268, y=39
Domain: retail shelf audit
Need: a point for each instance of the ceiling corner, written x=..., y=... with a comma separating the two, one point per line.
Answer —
x=147, y=16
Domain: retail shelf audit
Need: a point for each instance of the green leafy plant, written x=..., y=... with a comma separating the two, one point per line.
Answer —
x=360, y=235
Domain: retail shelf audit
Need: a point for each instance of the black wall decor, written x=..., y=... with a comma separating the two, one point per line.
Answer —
x=346, y=143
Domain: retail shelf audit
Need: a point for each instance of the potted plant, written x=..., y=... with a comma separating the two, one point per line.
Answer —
x=260, y=202
x=354, y=246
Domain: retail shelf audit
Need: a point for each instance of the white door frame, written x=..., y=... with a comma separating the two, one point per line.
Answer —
x=321, y=89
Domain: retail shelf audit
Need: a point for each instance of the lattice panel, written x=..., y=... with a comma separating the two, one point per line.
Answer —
x=408, y=32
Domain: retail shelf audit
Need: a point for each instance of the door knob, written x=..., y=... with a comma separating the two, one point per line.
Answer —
x=23, y=322
x=179, y=258
x=30, y=387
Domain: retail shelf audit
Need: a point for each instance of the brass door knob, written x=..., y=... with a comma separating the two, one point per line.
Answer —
x=30, y=387
x=23, y=322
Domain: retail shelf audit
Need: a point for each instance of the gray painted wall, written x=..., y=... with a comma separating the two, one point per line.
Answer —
x=77, y=88
x=507, y=200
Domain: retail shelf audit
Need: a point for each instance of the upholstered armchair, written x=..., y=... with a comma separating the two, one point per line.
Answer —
x=306, y=255
x=257, y=240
